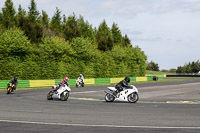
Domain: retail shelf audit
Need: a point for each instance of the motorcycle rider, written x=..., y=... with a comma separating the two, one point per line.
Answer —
x=122, y=84
x=81, y=78
x=62, y=82
x=13, y=82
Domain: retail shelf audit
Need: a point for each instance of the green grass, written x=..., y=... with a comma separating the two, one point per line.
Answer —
x=157, y=72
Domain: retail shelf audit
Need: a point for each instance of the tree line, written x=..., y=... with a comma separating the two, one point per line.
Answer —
x=34, y=46
x=153, y=66
x=191, y=67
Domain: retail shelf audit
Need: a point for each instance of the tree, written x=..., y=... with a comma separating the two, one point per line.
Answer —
x=45, y=19
x=8, y=16
x=179, y=69
x=13, y=41
x=1, y=23
x=70, y=28
x=116, y=34
x=33, y=31
x=195, y=67
x=1, y=18
x=21, y=13
x=30, y=24
x=54, y=55
x=173, y=70
x=104, y=37
x=56, y=21
x=152, y=66
x=33, y=14
x=164, y=70
x=64, y=19
x=126, y=41
x=14, y=47
x=83, y=49
x=73, y=27
x=86, y=30
x=68, y=46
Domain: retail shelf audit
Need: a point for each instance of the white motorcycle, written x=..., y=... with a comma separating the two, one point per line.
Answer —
x=79, y=83
x=62, y=93
x=128, y=95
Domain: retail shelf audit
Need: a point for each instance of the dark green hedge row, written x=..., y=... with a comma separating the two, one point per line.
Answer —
x=55, y=58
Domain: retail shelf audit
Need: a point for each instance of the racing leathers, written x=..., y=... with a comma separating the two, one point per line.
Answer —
x=62, y=82
x=121, y=85
x=14, y=82
x=81, y=78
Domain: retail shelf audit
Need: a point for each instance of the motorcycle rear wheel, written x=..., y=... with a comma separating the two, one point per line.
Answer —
x=133, y=97
x=109, y=97
x=64, y=97
x=49, y=95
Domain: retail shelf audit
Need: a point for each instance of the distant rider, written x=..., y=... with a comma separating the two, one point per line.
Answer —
x=62, y=82
x=14, y=82
x=81, y=78
x=122, y=84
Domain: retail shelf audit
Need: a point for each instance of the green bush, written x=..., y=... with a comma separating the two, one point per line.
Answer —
x=55, y=58
x=14, y=47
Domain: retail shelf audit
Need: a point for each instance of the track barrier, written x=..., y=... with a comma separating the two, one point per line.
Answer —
x=92, y=81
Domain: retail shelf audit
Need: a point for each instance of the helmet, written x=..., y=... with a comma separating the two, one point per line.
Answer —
x=15, y=78
x=66, y=79
x=127, y=79
x=81, y=75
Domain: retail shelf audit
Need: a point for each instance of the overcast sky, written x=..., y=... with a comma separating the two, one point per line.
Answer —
x=168, y=31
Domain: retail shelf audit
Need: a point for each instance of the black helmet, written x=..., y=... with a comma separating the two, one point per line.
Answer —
x=15, y=78
x=127, y=79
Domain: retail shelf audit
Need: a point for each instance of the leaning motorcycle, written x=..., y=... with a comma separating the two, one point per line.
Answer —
x=127, y=95
x=79, y=83
x=10, y=88
x=62, y=93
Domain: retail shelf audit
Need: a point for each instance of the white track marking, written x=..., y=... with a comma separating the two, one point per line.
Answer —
x=84, y=92
x=163, y=86
x=88, y=125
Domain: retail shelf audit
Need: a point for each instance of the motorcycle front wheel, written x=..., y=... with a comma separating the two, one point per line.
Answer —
x=109, y=97
x=9, y=89
x=49, y=95
x=133, y=97
x=64, y=97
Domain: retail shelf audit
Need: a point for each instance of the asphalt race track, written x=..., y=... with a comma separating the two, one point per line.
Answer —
x=162, y=108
